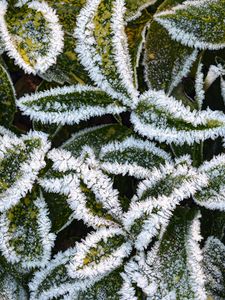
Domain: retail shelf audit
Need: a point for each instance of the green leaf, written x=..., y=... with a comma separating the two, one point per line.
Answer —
x=10, y=288
x=135, y=7
x=21, y=160
x=103, y=49
x=198, y=24
x=25, y=233
x=68, y=105
x=7, y=98
x=167, y=62
x=173, y=268
x=168, y=120
x=214, y=267
x=212, y=196
x=32, y=35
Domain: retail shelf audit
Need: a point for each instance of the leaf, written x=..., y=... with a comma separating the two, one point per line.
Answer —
x=134, y=157
x=53, y=281
x=101, y=252
x=212, y=196
x=157, y=197
x=31, y=35
x=173, y=268
x=68, y=105
x=25, y=233
x=214, y=267
x=198, y=24
x=168, y=120
x=7, y=98
x=135, y=7
x=10, y=288
x=167, y=62
x=20, y=161
x=102, y=48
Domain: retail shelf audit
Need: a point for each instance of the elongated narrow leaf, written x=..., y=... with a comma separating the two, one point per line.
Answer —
x=53, y=281
x=20, y=161
x=10, y=288
x=173, y=268
x=21, y=29
x=168, y=120
x=167, y=62
x=213, y=196
x=156, y=199
x=133, y=157
x=100, y=253
x=7, y=98
x=214, y=267
x=189, y=25
x=103, y=50
x=134, y=7
x=25, y=233
x=69, y=105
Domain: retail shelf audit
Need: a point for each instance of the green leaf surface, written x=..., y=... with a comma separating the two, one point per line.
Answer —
x=135, y=7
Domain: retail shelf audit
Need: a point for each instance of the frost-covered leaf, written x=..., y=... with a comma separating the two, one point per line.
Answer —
x=10, y=288
x=53, y=282
x=134, y=7
x=102, y=48
x=100, y=253
x=213, y=195
x=167, y=62
x=156, y=199
x=168, y=120
x=214, y=267
x=173, y=268
x=31, y=35
x=68, y=105
x=20, y=161
x=132, y=156
x=198, y=24
x=7, y=98
x=25, y=233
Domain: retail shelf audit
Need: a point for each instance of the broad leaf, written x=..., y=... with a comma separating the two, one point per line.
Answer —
x=213, y=195
x=157, y=198
x=25, y=233
x=68, y=105
x=173, y=268
x=189, y=25
x=214, y=267
x=31, y=35
x=134, y=7
x=7, y=98
x=132, y=156
x=168, y=120
x=20, y=161
x=103, y=50
x=100, y=253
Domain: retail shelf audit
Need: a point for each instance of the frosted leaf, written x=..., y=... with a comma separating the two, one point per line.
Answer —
x=168, y=120
x=134, y=8
x=198, y=24
x=68, y=105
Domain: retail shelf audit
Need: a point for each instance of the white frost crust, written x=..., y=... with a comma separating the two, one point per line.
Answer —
x=170, y=106
x=127, y=168
x=139, y=11
x=194, y=260
x=182, y=36
x=62, y=114
x=213, y=73
x=29, y=169
x=199, y=86
x=55, y=40
x=127, y=291
x=85, y=48
x=222, y=82
x=77, y=269
x=159, y=210
x=47, y=239
x=61, y=289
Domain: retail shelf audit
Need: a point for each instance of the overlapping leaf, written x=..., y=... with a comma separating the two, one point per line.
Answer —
x=134, y=7
x=69, y=105
x=198, y=24
x=168, y=120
